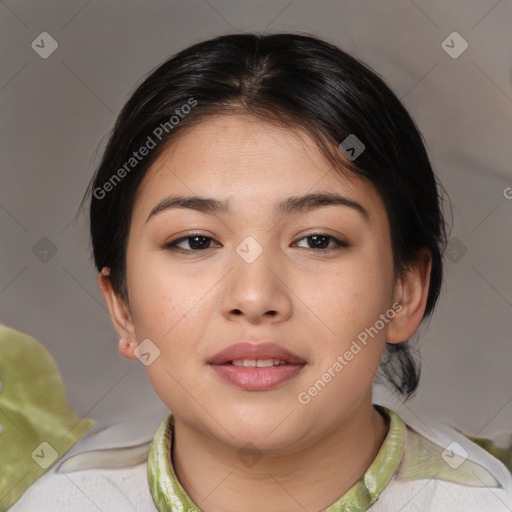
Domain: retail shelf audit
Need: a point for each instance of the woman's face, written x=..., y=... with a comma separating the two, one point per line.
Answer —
x=256, y=273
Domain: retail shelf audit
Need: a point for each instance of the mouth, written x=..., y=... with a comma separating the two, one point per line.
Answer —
x=257, y=363
x=256, y=367
x=255, y=354
x=256, y=378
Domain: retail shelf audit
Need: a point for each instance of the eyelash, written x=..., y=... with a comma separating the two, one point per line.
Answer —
x=339, y=244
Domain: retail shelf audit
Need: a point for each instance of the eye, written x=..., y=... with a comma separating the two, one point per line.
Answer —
x=320, y=242
x=195, y=241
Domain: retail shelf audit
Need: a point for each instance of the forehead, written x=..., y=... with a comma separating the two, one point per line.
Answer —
x=246, y=160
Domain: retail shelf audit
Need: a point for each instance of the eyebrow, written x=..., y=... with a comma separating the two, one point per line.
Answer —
x=290, y=205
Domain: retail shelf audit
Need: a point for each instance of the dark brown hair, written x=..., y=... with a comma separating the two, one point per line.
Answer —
x=297, y=81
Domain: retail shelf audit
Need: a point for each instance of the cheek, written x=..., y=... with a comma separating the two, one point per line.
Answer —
x=162, y=300
x=174, y=310
x=350, y=299
x=348, y=357
x=358, y=294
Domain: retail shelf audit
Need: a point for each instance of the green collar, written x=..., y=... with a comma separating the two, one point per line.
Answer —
x=169, y=495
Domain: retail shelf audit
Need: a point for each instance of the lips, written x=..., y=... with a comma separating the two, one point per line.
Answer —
x=247, y=350
x=256, y=378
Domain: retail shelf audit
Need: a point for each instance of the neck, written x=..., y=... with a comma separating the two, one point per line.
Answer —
x=313, y=478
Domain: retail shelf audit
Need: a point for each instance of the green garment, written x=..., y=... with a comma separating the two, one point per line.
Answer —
x=502, y=454
x=37, y=425
x=404, y=455
x=169, y=495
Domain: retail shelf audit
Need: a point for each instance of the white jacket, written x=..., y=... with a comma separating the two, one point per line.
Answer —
x=70, y=487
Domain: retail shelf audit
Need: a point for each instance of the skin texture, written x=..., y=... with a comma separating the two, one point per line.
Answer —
x=312, y=302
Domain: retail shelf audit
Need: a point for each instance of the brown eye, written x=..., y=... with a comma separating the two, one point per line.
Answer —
x=320, y=242
x=196, y=243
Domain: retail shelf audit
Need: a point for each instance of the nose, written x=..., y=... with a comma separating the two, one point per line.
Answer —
x=257, y=291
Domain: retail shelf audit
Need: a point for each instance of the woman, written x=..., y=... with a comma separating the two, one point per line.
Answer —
x=268, y=234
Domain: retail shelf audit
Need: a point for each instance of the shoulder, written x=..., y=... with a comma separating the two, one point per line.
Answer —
x=89, y=490
x=105, y=470
x=441, y=469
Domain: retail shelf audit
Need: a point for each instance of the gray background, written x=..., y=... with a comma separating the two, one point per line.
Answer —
x=56, y=113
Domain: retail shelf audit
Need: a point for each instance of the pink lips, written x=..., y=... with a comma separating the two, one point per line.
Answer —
x=254, y=351
x=255, y=378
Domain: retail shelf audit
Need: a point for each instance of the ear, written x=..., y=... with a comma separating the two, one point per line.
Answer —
x=120, y=315
x=411, y=291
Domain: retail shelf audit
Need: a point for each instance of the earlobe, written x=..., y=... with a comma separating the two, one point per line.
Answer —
x=411, y=291
x=126, y=348
x=119, y=314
